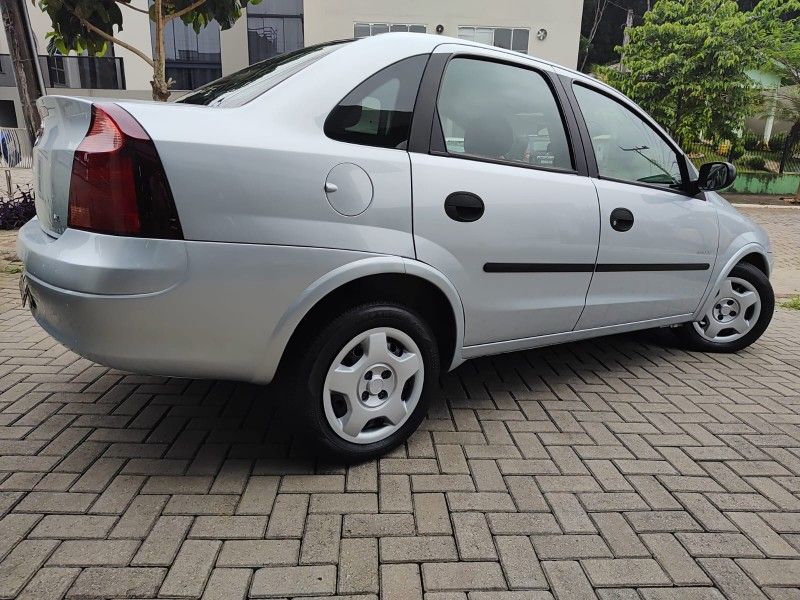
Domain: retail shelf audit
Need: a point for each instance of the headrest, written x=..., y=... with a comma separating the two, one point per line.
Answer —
x=491, y=137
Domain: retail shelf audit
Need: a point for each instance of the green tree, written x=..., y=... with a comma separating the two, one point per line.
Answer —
x=89, y=25
x=687, y=63
x=599, y=49
x=785, y=61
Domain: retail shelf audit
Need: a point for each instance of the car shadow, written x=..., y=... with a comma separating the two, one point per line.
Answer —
x=223, y=421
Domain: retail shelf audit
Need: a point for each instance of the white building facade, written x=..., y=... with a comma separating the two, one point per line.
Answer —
x=549, y=29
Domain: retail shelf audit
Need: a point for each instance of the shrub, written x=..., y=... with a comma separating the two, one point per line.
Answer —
x=736, y=152
x=17, y=210
x=751, y=141
x=754, y=163
x=777, y=141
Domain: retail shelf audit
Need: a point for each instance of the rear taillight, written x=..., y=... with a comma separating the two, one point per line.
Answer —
x=118, y=183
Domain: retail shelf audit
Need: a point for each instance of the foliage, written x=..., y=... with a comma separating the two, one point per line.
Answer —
x=751, y=141
x=17, y=210
x=785, y=61
x=777, y=141
x=736, y=152
x=754, y=162
x=784, y=54
x=610, y=28
x=793, y=303
x=687, y=64
x=90, y=25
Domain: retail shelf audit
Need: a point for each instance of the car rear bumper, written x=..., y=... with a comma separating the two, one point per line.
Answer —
x=168, y=307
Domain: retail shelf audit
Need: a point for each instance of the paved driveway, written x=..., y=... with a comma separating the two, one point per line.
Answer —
x=617, y=468
x=783, y=226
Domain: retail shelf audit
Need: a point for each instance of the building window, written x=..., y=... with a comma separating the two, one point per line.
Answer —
x=502, y=37
x=193, y=59
x=362, y=30
x=58, y=74
x=274, y=27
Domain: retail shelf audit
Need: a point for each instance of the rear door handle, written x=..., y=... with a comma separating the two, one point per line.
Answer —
x=621, y=219
x=464, y=207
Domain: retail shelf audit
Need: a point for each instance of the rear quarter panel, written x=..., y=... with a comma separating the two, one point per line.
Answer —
x=256, y=173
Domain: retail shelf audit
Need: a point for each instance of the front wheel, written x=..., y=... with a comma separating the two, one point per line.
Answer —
x=741, y=312
x=365, y=380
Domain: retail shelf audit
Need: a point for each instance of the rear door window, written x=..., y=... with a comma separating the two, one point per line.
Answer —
x=503, y=113
x=378, y=112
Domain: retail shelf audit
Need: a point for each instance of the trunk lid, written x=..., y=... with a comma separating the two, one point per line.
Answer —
x=65, y=121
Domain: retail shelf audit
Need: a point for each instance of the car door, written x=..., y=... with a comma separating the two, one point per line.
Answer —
x=500, y=205
x=657, y=244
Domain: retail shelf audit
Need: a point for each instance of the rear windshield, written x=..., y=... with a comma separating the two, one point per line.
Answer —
x=241, y=87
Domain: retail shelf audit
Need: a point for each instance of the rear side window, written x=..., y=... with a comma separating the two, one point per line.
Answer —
x=378, y=112
x=501, y=112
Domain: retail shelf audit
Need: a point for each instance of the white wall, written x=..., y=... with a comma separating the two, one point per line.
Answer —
x=334, y=19
x=328, y=20
x=136, y=31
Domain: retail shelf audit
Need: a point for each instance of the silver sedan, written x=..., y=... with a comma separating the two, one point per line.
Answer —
x=353, y=217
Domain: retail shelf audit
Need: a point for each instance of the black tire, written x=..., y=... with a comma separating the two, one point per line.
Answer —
x=692, y=340
x=306, y=376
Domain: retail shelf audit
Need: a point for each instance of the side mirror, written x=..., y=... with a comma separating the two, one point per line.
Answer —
x=715, y=176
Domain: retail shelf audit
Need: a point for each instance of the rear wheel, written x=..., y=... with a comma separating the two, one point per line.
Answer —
x=366, y=379
x=741, y=311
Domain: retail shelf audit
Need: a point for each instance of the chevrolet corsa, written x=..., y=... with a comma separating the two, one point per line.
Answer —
x=357, y=216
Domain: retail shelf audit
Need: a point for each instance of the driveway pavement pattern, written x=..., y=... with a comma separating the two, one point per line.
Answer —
x=620, y=468
x=783, y=226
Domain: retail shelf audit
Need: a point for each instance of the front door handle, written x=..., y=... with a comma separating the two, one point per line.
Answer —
x=464, y=207
x=621, y=219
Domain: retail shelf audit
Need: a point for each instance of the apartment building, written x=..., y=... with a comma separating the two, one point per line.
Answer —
x=546, y=28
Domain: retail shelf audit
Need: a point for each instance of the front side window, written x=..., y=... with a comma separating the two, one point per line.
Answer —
x=378, y=112
x=501, y=112
x=626, y=147
x=503, y=37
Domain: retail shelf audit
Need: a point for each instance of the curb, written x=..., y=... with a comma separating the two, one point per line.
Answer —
x=773, y=206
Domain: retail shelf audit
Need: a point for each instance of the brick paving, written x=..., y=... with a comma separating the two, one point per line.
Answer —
x=619, y=468
x=783, y=226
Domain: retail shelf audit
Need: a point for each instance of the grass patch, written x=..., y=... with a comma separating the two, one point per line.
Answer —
x=13, y=268
x=793, y=303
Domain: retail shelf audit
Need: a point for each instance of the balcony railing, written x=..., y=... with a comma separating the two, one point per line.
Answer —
x=76, y=72
x=191, y=74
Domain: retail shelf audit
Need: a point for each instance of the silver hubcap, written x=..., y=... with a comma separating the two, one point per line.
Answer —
x=736, y=309
x=373, y=385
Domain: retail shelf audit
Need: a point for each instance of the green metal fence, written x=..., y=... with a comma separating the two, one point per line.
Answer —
x=750, y=156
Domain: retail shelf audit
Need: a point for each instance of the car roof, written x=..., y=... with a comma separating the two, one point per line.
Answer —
x=395, y=39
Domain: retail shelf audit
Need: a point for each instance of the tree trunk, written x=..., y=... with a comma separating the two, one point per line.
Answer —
x=160, y=84
x=789, y=145
x=600, y=8
x=24, y=60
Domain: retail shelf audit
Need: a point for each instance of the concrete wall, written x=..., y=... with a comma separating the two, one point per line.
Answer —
x=235, y=54
x=328, y=20
x=764, y=184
